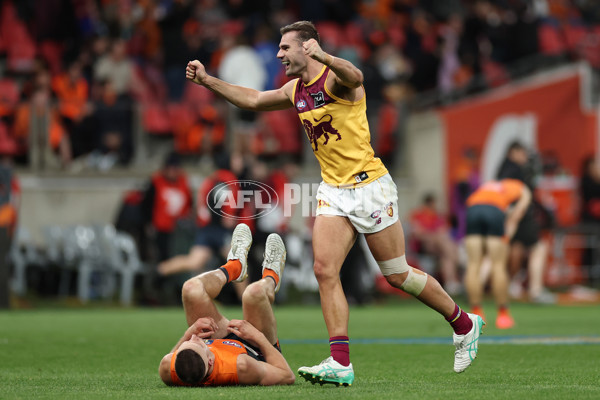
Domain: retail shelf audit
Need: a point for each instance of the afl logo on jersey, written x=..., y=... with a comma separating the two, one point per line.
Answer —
x=301, y=104
x=232, y=343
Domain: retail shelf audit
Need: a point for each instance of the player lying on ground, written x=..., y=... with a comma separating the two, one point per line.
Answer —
x=215, y=351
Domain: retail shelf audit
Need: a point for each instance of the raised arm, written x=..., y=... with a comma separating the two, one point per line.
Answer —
x=346, y=73
x=275, y=371
x=243, y=97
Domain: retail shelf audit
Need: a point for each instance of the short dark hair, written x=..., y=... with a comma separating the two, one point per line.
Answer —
x=306, y=30
x=516, y=145
x=173, y=159
x=190, y=367
x=428, y=198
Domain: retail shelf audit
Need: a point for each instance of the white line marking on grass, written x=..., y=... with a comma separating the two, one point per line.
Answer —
x=515, y=340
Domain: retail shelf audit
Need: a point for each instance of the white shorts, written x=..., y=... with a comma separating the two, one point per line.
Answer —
x=370, y=208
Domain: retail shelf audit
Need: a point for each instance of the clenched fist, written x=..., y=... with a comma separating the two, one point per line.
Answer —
x=313, y=50
x=195, y=72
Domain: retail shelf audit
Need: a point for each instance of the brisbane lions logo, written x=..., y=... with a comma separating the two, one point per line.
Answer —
x=314, y=132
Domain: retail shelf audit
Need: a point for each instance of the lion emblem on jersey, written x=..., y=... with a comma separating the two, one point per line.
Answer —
x=322, y=127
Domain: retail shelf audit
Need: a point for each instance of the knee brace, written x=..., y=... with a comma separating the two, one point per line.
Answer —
x=414, y=282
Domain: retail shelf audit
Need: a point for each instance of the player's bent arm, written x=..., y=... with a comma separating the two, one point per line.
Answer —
x=251, y=99
x=346, y=73
x=522, y=204
x=164, y=369
x=518, y=211
x=254, y=372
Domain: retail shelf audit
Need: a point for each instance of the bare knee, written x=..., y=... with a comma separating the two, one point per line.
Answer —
x=255, y=293
x=325, y=272
x=193, y=289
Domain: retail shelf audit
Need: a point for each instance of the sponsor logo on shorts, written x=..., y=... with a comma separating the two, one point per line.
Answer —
x=390, y=209
x=322, y=203
x=375, y=214
x=378, y=221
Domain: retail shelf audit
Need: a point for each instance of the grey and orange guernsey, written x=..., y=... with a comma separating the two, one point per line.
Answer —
x=338, y=132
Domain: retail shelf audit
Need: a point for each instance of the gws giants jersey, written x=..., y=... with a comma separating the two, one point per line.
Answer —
x=338, y=132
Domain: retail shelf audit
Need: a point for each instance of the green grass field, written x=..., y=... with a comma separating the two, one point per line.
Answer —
x=96, y=353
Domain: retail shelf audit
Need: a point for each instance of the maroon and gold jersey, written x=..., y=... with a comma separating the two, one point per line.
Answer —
x=338, y=132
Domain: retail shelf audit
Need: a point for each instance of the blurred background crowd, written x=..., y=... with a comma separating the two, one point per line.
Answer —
x=99, y=85
x=90, y=67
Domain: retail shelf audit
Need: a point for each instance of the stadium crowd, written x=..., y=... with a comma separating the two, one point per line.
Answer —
x=77, y=74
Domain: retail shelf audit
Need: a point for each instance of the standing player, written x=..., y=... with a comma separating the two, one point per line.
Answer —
x=490, y=226
x=357, y=193
x=217, y=352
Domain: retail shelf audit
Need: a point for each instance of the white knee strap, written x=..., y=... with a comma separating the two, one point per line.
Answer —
x=394, y=266
x=414, y=282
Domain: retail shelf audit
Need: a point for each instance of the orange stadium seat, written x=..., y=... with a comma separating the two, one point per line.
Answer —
x=330, y=33
x=21, y=49
x=9, y=97
x=574, y=35
x=550, y=40
x=181, y=117
x=196, y=94
x=52, y=52
x=155, y=119
x=8, y=145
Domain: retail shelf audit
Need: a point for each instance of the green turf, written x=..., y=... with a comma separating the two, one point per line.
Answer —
x=114, y=354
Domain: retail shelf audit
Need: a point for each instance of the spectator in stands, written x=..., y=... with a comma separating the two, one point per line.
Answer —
x=175, y=50
x=116, y=68
x=421, y=49
x=216, y=220
x=466, y=180
x=430, y=231
x=72, y=92
x=9, y=208
x=206, y=135
x=590, y=190
x=50, y=145
x=241, y=65
x=590, y=205
x=112, y=128
x=167, y=198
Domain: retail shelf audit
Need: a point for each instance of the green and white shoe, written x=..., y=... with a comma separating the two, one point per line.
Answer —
x=466, y=345
x=241, y=240
x=329, y=371
x=275, y=255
